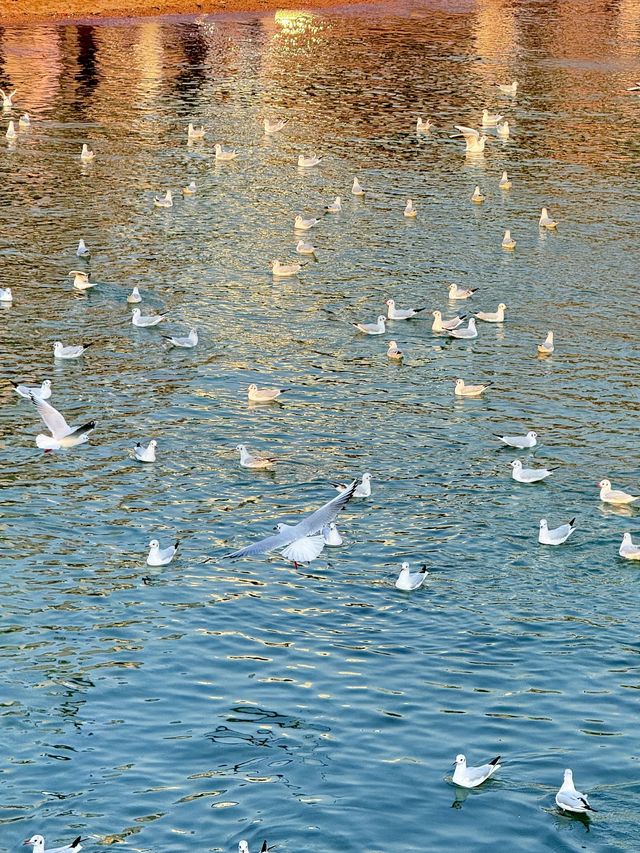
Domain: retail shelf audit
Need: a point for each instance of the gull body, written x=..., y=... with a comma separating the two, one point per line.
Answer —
x=303, y=248
x=521, y=442
x=464, y=390
x=456, y=292
x=505, y=182
x=43, y=391
x=546, y=347
x=145, y=321
x=423, y=126
x=362, y=490
x=377, y=328
x=7, y=98
x=394, y=313
x=134, y=297
x=37, y=842
x=440, y=325
x=24, y=122
x=308, y=162
x=628, y=549
x=546, y=221
x=60, y=351
x=556, y=536
x=146, y=454
x=247, y=460
x=186, y=342
x=302, y=224
x=508, y=242
x=509, y=88
x=190, y=189
x=356, y=189
x=274, y=126
x=165, y=200
x=409, y=210
x=614, y=496
x=225, y=154
x=161, y=556
x=393, y=352
x=195, y=132
x=81, y=280
x=62, y=435
x=264, y=395
x=465, y=334
x=528, y=475
x=284, y=270
x=303, y=550
x=493, y=316
x=86, y=155
x=502, y=130
x=6, y=294
x=82, y=251
x=11, y=133
x=634, y=88
x=490, y=119
x=408, y=581
x=331, y=535
x=471, y=777
x=335, y=206
x=570, y=800
x=474, y=141
x=477, y=197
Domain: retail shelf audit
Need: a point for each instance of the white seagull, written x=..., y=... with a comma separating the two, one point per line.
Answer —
x=546, y=347
x=161, y=556
x=331, y=535
x=187, y=342
x=509, y=88
x=82, y=251
x=440, y=325
x=274, y=126
x=394, y=352
x=146, y=454
x=62, y=435
x=474, y=141
x=81, y=280
x=61, y=351
x=394, y=313
x=86, y=155
x=134, y=296
x=466, y=334
x=490, y=119
x=335, y=206
x=302, y=550
x=264, y=395
x=528, y=475
x=519, y=441
x=247, y=460
x=502, y=130
x=190, y=189
x=377, y=328
x=11, y=133
x=456, y=292
x=505, y=182
x=195, y=132
x=423, y=126
x=477, y=196
x=464, y=390
x=493, y=316
x=225, y=154
x=356, y=189
x=5, y=294
x=546, y=221
x=279, y=270
x=303, y=248
x=308, y=162
x=570, y=800
x=7, y=99
x=24, y=122
x=362, y=490
x=556, y=536
x=614, y=496
x=471, y=777
x=409, y=210
x=302, y=224
x=37, y=841
x=144, y=321
x=164, y=201
x=628, y=549
x=508, y=242
x=408, y=581
x=43, y=391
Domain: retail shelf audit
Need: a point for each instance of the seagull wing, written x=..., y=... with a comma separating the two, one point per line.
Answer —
x=52, y=418
x=264, y=545
x=304, y=550
x=468, y=132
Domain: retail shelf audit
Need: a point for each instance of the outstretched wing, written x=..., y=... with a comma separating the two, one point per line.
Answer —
x=264, y=545
x=467, y=132
x=52, y=418
x=325, y=515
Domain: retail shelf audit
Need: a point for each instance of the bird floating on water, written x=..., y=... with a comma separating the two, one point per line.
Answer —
x=394, y=313
x=6, y=294
x=11, y=133
x=302, y=224
x=164, y=201
x=493, y=316
x=474, y=141
x=521, y=442
x=528, y=475
x=570, y=800
x=558, y=535
x=394, y=352
x=134, y=296
x=547, y=346
x=243, y=847
x=225, y=154
x=423, y=126
x=508, y=242
x=146, y=454
x=63, y=352
x=490, y=119
x=471, y=777
x=634, y=88
x=308, y=162
x=82, y=251
x=62, y=435
x=303, y=248
x=466, y=334
x=614, y=496
x=37, y=841
x=464, y=390
x=546, y=221
x=81, y=280
x=409, y=210
x=274, y=126
x=408, y=581
x=335, y=206
x=440, y=325
x=185, y=342
x=628, y=549
x=43, y=391
x=24, y=122
x=248, y=460
x=86, y=155
x=331, y=535
x=143, y=321
x=356, y=189
x=456, y=292
x=477, y=196
x=505, y=182
x=362, y=490
x=502, y=130
x=264, y=395
x=195, y=132
x=509, y=88
x=190, y=189
x=161, y=556
x=377, y=328
x=7, y=99
x=279, y=270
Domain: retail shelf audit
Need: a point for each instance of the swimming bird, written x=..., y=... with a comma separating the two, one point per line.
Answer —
x=490, y=119
x=456, y=292
x=409, y=210
x=161, y=556
x=274, y=126
x=11, y=133
x=62, y=435
x=474, y=141
x=556, y=536
x=464, y=390
x=43, y=391
x=471, y=777
x=302, y=224
x=308, y=162
x=82, y=251
x=243, y=847
x=529, y=475
x=264, y=395
x=37, y=841
x=356, y=189
x=146, y=454
x=505, y=182
x=502, y=130
x=614, y=496
x=247, y=460
x=508, y=88
x=7, y=99
x=464, y=334
x=628, y=549
x=634, y=88
x=408, y=581
x=493, y=316
x=393, y=352
x=60, y=351
x=134, y=296
x=362, y=490
x=279, y=270
x=508, y=242
x=24, y=122
x=546, y=221
x=335, y=206
x=86, y=155
x=145, y=321
x=303, y=248
x=570, y=800
x=377, y=328
x=306, y=527
x=477, y=197
x=440, y=325
x=331, y=535
x=81, y=280
x=186, y=342
x=546, y=347
x=163, y=201
x=521, y=442
x=394, y=313
x=190, y=189
x=423, y=126
x=195, y=132
x=225, y=154
x=6, y=294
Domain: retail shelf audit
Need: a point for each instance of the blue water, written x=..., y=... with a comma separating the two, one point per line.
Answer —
x=187, y=707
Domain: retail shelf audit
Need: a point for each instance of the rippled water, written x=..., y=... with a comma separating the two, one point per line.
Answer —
x=188, y=707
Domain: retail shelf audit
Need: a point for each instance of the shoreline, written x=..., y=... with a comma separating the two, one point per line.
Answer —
x=47, y=11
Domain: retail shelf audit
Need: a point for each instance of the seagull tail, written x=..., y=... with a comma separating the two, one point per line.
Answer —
x=90, y=344
x=495, y=760
x=264, y=848
x=177, y=542
x=423, y=569
x=90, y=425
x=572, y=523
x=75, y=843
x=418, y=310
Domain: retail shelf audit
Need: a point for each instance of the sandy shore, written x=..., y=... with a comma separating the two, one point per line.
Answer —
x=29, y=11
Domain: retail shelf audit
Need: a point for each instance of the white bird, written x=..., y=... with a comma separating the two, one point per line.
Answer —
x=628, y=549
x=81, y=280
x=186, y=342
x=5, y=294
x=502, y=130
x=408, y=581
x=556, y=536
x=409, y=210
x=86, y=155
x=225, y=154
x=195, y=132
x=464, y=390
x=302, y=224
x=144, y=321
x=279, y=270
x=440, y=325
x=247, y=460
x=37, y=841
x=7, y=99
x=505, y=182
x=190, y=189
x=471, y=777
x=264, y=395
x=165, y=200
x=490, y=119
x=24, y=121
x=394, y=313
x=493, y=316
x=82, y=250
x=465, y=334
x=456, y=292
x=377, y=328
x=62, y=435
x=302, y=550
x=423, y=126
x=356, y=189
x=474, y=141
x=546, y=347
x=243, y=847
x=11, y=133
x=303, y=248
x=134, y=296
x=614, y=496
x=362, y=490
x=528, y=475
x=546, y=221
x=477, y=196
x=274, y=126
x=335, y=206
x=331, y=535
x=394, y=352
x=570, y=800
x=509, y=88
x=146, y=454
x=634, y=88
x=308, y=162
x=60, y=351
x=307, y=527
x=507, y=241
x=521, y=442
x=161, y=556
x=43, y=391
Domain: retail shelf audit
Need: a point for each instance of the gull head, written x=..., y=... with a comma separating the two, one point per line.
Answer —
x=531, y=434
x=243, y=847
x=153, y=443
x=36, y=841
x=516, y=465
x=46, y=383
x=544, y=212
x=393, y=345
x=543, y=524
x=136, y=312
x=568, y=776
x=253, y=387
x=626, y=539
x=240, y=447
x=461, y=760
x=502, y=307
x=404, y=567
x=280, y=527
x=472, y=323
x=365, y=478
x=154, y=543
x=459, y=384
x=381, y=319
x=390, y=302
x=437, y=314
x=605, y=484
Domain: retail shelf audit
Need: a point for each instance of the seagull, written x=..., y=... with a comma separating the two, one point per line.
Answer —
x=243, y=847
x=377, y=328
x=505, y=183
x=146, y=454
x=195, y=132
x=464, y=334
x=463, y=390
x=264, y=395
x=188, y=342
x=628, y=550
x=279, y=270
x=490, y=119
x=393, y=351
x=408, y=581
x=163, y=201
x=303, y=248
x=546, y=347
x=161, y=556
x=507, y=241
x=570, y=800
x=225, y=154
x=308, y=162
x=546, y=221
x=11, y=133
x=440, y=325
x=141, y=321
x=134, y=296
x=274, y=126
x=456, y=292
x=491, y=316
x=356, y=189
x=82, y=251
x=62, y=435
x=335, y=206
x=331, y=535
x=37, y=841
x=249, y=461
x=5, y=294
x=556, y=536
x=521, y=442
x=302, y=550
x=44, y=391
x=529, y=475
x=475, y=142
x=409, y=211
x=509, y=88
x=394, y=313
x=613, y=496
x=477, y=196
x=60, y=351
x=634, y=88
x=24, y=121
x=502, y=130
x=471, y=777
x=362, y=490
x=190, y=189
x=81, y=280
x=304, y=529
x=7, y=100
x=86, y=155
x=302, y=224
x=423, y=126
